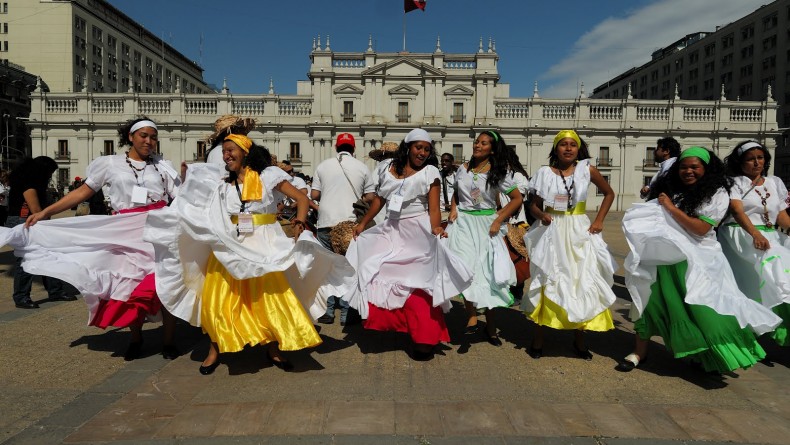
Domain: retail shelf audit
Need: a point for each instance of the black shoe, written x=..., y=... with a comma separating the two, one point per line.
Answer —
x=170, y=352
x=207, y=370
x=493, y=339
x=326, y=319
x=29, y=304
x=470, y=329
x=534, y=352
x=630, y=362
x=63, y=298
x=133, y=351
x=582, y=353
x=285, y=365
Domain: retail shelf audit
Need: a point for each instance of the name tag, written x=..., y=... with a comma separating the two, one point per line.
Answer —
x=245, y=224
x=561, y=202
x=477, y=195
x=395, y=203
x=139, y=195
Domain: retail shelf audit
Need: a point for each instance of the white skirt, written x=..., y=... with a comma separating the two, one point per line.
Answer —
x=655, y=239
x=402, y=255
x=570, y=266
x=763, y=275
x=488, y=258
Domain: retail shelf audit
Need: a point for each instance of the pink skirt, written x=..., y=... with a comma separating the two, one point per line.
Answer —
x=418, y=318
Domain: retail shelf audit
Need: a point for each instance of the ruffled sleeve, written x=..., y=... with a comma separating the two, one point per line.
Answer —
x=97, y=172
x=739, y=187
x=781, y=191
x=273, y=176
x=507, y=184
x=539, y=184
x=713, y=211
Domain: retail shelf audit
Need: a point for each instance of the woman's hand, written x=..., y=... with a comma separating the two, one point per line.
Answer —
x=452, y=216
x=595, y=228
x=495, y=226
x=545, y=219
x=183, y=171
x=439, y=231
x=760, y=242
x=358, y=229
x=36, y=217
x=665, y=201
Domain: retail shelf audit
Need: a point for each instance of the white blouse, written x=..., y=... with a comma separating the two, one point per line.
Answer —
x=113, y=174
x=413, y=189
x=466, y=186
x=548, y=184
x=774, y=192
x=270, y=178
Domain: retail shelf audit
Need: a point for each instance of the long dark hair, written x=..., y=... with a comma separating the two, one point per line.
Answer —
x=734, y=160
x=257, y=159
x=402, y=156
x=498, y=159
x=123, y=132
x=584, y=153
x=35, y=173
x=513, y=161
x=689, y=199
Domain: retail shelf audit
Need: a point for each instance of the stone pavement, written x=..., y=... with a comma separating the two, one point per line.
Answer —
x=64, y=382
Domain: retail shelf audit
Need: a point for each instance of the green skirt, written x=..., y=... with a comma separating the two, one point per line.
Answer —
x=780, y=334
x=698, y=332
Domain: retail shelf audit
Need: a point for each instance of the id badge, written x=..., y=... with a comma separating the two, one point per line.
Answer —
x=245, y=223
x=477, y=195
x=561, y=202
x=395, y=203
x=139, y=195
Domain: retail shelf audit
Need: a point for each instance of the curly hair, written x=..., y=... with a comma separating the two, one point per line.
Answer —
x=690, y=198
x=498, y=160
x=257, y=159
x=402, y=157
x=123, y=132
x=584, y=153
x=734, y=160
x=513, y=162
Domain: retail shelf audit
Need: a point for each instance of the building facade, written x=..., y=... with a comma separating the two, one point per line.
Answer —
x=15, y=87
x=380, y=96
x=90, y=46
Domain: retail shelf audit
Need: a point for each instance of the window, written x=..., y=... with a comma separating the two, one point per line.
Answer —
x=678, y=64
x=747, y=70
x=458, y=153
x=769, y=43
x=295, y=152
x=665, y=70
x=709, y=68
x=650, y=157
x=769, y=62
x=745, y=91
x=654, y=75
x=4, y=46
x=4, y=9
x=710, y=49
x=109, y=147
x=97, y=33
x=63, y=149
x=200, y=153
x=747, y=32
x=693, y=74
x=97, y=51
x=646, y=180
x=747, y=52
x=599, y=192
x=348, y=111
x=79, y=22
x=726, y=77
x=137, y=57
x=403, y=112
x=727, y=41
x=458, y=113
x=111, y=41
x=5, y=28
x=125, y=49
x=708, y=84
x=64, y=178
x=694, y=57
x=149, y=63
x=726, y=60
x=770, y=22
x=603, y=157
x=692, y=92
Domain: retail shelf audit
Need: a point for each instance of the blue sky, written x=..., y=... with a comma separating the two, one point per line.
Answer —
x=557, y=43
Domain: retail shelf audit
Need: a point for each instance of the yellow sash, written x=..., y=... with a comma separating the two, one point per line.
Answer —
x=578, y=209
x=258, y=219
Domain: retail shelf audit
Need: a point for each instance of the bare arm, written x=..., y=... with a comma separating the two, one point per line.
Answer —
x=536, y=209
x=375, y=207
x=434, y=210
x=608, y=198
x=76, y=196
x=315, y=195
x=509, y=209
x=695, y=226
x=31, y=198
x=783, y=220
x=736, y=208
x=302, y=203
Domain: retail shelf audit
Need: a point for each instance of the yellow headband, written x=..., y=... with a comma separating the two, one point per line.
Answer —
x=242, y=141
x=567, y=134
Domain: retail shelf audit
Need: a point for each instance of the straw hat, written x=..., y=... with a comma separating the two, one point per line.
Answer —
x=515, y=234
x=386, y=151
x=233, y=124
x=340, y=236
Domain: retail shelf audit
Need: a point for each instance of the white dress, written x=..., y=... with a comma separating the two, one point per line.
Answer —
x=486, y=255
x=401, y=255
x=763, y=275
x=655, y=238
x=569, y=266
x=103, y=257
x=522, y=184
x=198, y=223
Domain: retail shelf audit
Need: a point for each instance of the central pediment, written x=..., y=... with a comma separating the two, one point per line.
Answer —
x=404, y=67
x=348, y=89
x=403, y=90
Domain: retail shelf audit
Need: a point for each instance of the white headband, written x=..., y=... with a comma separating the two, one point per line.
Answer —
x=418, y=134
x=142, y=124
x=748, y=146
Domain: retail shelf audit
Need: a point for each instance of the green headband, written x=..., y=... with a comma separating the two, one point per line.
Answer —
x=493, y=133
x=696, y=152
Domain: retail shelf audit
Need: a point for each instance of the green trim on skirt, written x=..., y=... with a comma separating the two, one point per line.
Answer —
x=780, y=334
x=695, y=331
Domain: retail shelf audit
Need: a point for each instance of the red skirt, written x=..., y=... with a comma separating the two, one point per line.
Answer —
x=423, y=322
x=142, y=301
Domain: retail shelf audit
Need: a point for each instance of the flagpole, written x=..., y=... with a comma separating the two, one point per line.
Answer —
x=404, y=30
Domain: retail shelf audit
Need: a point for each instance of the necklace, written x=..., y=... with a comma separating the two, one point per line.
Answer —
x=568, y=189
x=148, y=162
x=764, y=202
x=479, y=169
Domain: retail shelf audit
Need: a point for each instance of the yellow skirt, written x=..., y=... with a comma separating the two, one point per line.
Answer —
x=548, y=313
x=236, y=313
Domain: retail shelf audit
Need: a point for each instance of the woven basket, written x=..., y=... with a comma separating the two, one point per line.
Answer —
x=340, y=236
x=236, y=124
x=386, y=151
x=515, y=234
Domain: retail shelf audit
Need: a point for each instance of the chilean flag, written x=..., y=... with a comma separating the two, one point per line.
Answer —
x=411, y=5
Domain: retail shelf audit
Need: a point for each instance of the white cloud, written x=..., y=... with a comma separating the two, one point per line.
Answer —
x=618, y=44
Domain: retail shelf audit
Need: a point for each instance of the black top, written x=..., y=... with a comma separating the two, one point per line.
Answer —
x=15, y=199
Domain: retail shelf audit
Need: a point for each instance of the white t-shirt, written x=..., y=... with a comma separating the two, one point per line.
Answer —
x=413, y=190
x=663, y=167
x=337, y=196
x=215, y=156
x=466, y=187
x=119, y=178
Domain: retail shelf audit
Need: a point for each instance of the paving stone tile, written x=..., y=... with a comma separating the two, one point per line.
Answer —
x=614, y=420
x=533, y=419
x=657, y=423
x=702, y=424
x=465, y=440
x=361, y=417
x=193, y=421
x=243, y=419
x=574, y=419
x=297, y=417
x=79, y=410
x=37, y=435
x=553, y=441
x=122, y=381
x=475, y=418
x=418, y=419
x=762, y=427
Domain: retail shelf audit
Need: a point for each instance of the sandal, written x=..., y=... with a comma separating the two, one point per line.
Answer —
x=630, y=362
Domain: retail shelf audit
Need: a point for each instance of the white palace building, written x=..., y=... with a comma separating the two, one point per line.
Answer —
x=380, y=96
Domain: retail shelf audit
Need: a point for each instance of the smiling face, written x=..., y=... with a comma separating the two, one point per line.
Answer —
x=483, y=147
x=143, y=143
x=753, y=163
x=418, y=153
x=567, y=151
x=233, y=156
x=691, y=170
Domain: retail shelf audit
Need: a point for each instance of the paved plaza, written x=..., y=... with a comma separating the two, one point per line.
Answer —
x=64, y=382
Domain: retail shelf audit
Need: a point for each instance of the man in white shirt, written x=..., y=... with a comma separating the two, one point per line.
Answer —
x=337, y=184
x=666, y=152
x=448, y=181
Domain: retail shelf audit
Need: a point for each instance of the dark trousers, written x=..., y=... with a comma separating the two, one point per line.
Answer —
x=335, y=302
